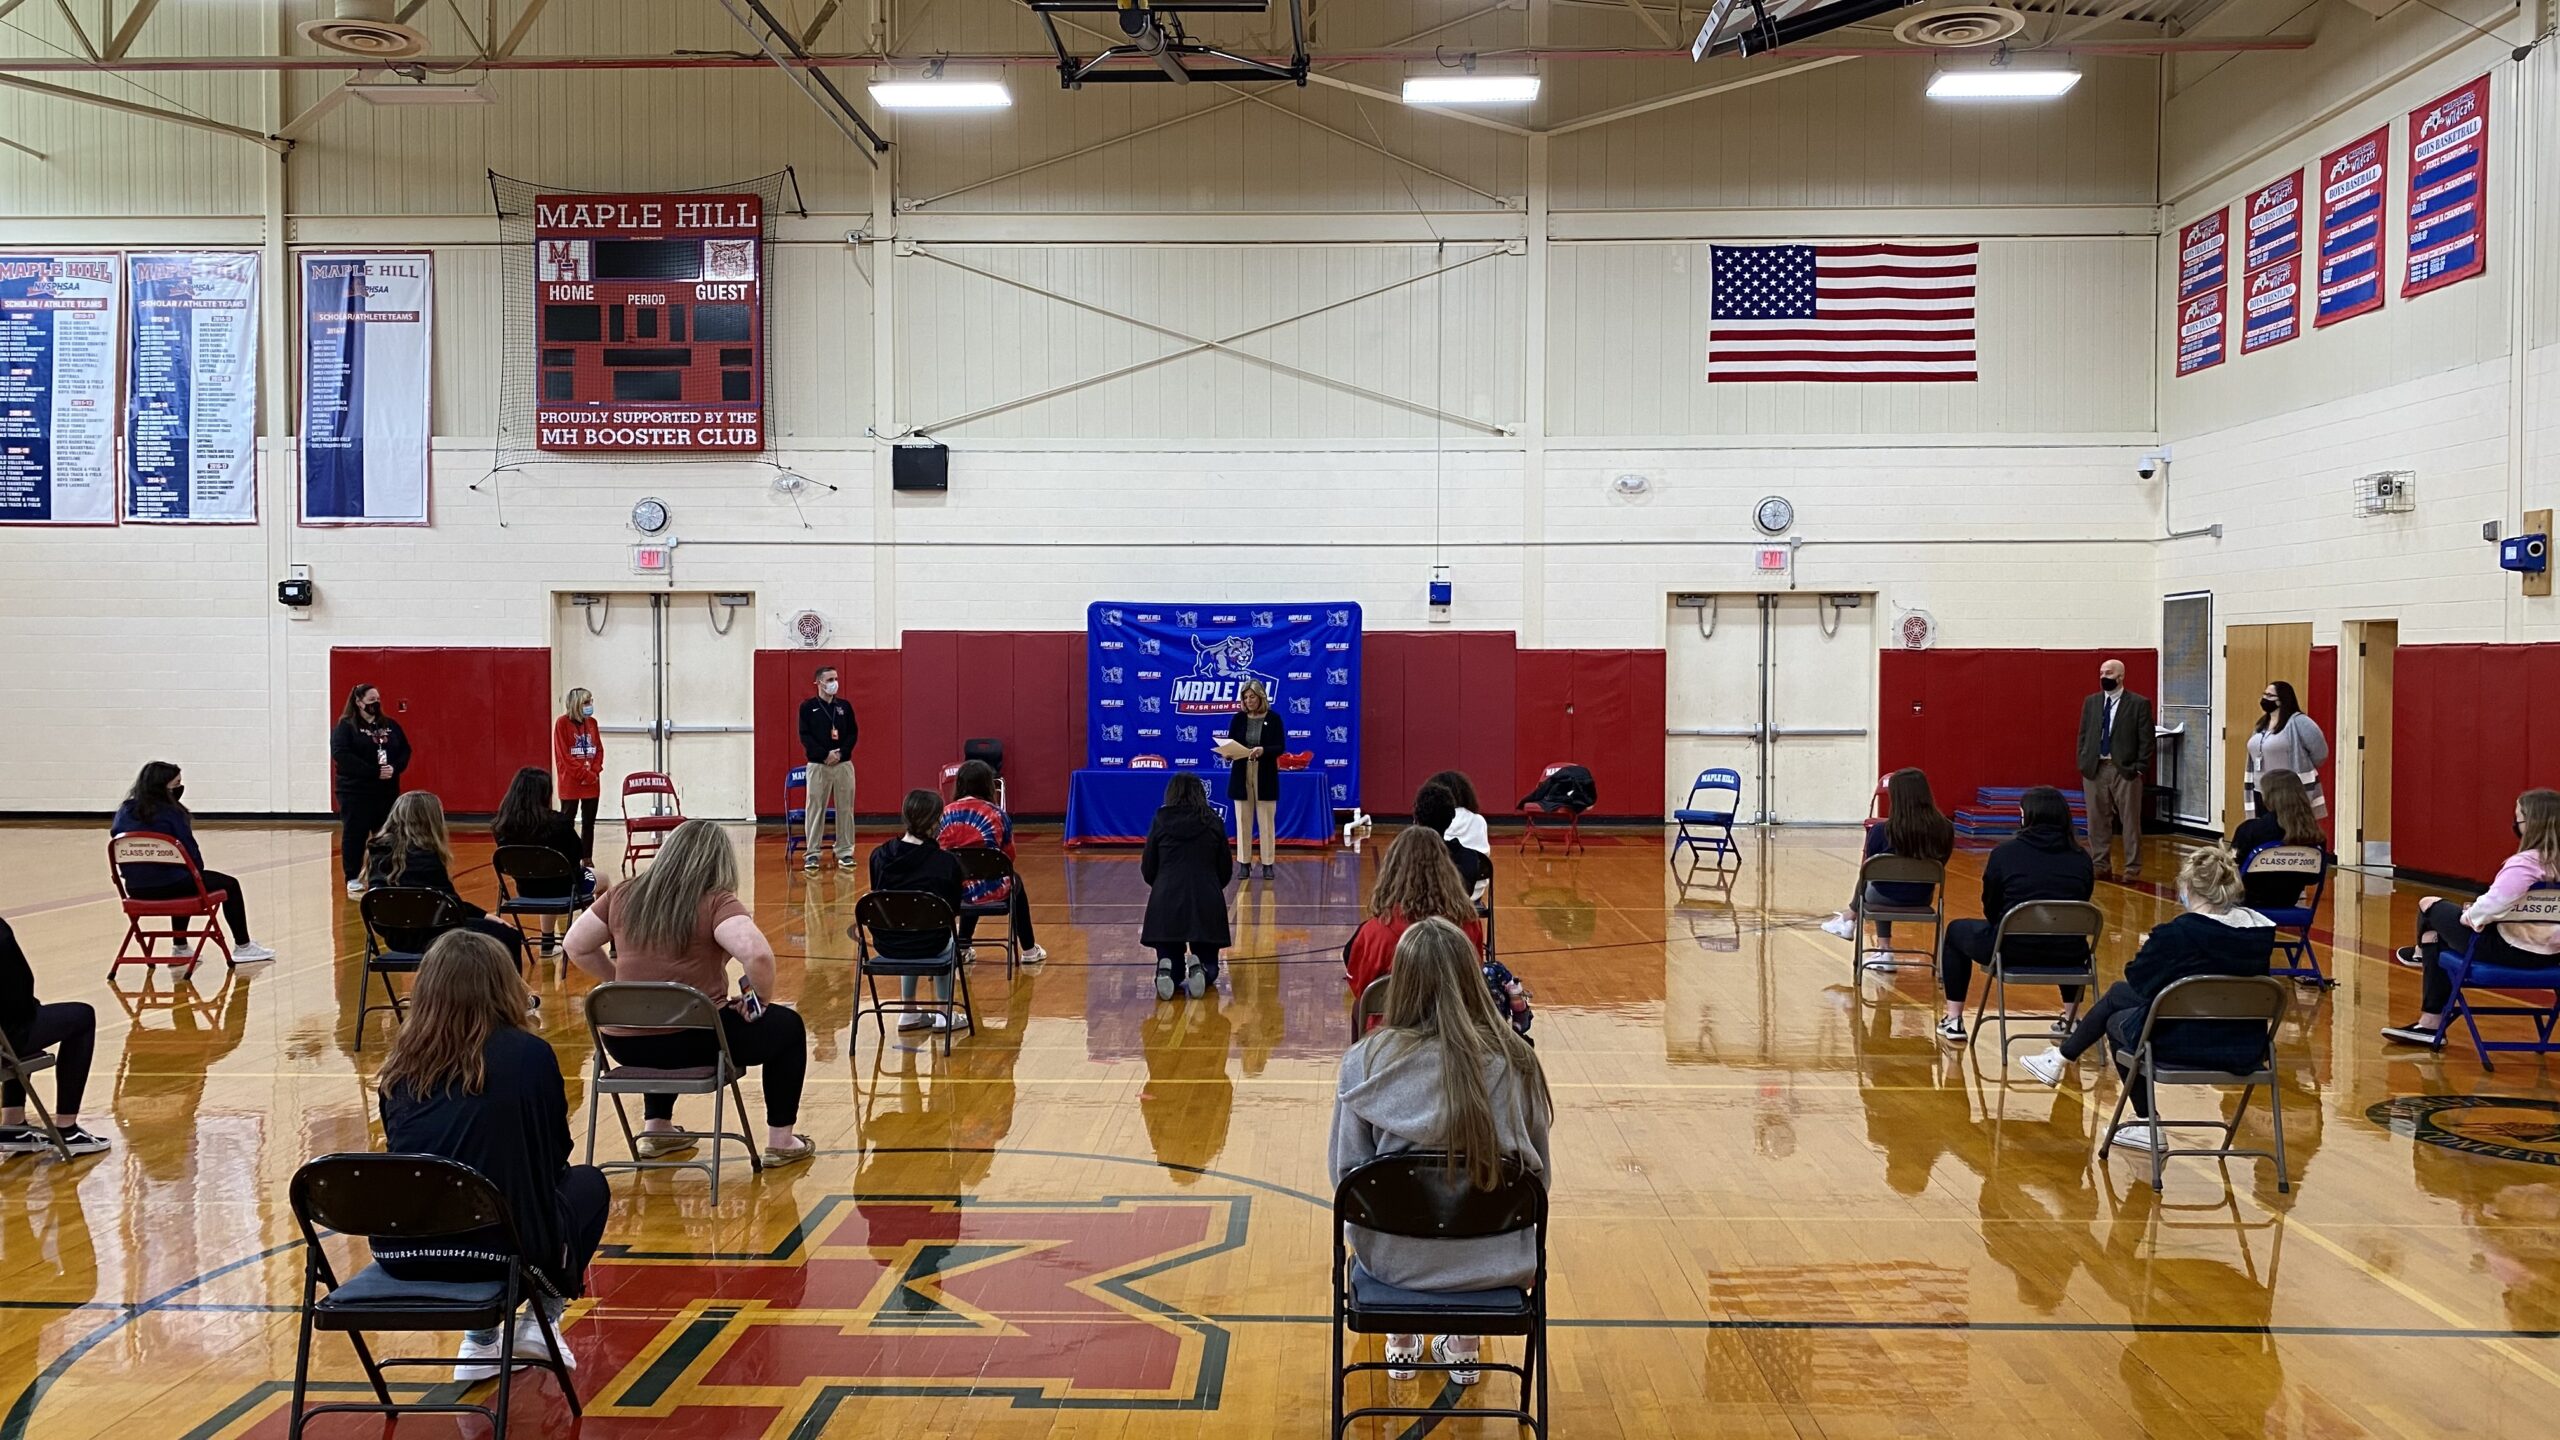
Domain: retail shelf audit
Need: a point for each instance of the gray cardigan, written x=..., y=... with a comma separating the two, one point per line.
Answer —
x=1388, y=1102
x=2298, y=747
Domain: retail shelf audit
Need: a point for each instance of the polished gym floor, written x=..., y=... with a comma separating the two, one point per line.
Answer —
x=1781, y=1208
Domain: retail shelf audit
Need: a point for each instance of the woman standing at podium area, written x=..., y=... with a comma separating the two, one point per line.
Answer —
x=1253, y=778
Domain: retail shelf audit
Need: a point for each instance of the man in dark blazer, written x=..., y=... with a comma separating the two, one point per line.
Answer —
x=2116, y=737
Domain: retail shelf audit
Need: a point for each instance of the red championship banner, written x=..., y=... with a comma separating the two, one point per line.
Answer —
x=2204, y=254
x=2271, y=265
x=2353, y=181
x=2448, y=190
x=651, y=322
x=2204, y=331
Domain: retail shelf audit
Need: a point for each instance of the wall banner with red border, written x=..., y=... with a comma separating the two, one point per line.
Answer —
x=2353, y=181
x=2271, y=305
x=2204, y=328
x=2448, y=190
x=2204, y=255
x=651, y=322
x=2275, y=222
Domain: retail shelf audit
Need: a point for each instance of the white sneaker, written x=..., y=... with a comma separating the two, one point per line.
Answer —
x=1446, y=1353
x=938, y=1021
x=2139, y=1137
x=916, y=1020
x=529, y=1344
x=1402, y=1351
x=968, y=954
x=477, y=1362
x=249, y=952
x=355, y=889
x=181, y=947
x=2046, y=1065
x=1035, y=955
x=1839, y=925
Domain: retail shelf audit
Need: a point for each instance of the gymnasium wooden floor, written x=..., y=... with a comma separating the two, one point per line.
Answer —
x=1780, y=1208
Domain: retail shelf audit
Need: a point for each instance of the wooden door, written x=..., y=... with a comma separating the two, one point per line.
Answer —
x=2252, y=656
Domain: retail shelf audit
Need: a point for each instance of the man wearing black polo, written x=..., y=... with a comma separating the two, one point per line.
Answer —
x=827, y=735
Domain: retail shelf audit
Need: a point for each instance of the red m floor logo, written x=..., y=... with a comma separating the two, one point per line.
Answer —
x=1036, y=1303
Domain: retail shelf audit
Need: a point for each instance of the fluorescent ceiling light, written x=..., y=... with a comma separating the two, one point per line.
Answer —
x=405, y=93
x=1469, y=89
x=941, y=95
x=2001, y=84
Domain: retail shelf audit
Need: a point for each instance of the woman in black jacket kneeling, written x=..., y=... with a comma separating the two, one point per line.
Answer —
x=2218, y=935
x=1186, y=868
x=466, y=1080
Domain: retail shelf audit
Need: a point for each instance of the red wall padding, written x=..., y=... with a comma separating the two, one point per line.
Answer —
x=1972, y=718
x=1601, y=709
x=1434, y=700
x=2471, y=726
x=1025, y=688
x=473, y=714
x=2320, y=700
x=870, y=681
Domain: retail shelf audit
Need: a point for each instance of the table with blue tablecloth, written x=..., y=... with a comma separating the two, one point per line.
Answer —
x=1115, y=807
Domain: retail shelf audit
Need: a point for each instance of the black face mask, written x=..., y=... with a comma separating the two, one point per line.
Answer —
x=373, y=709
x=2107, y=683
x=179, y=792
x=2267, y=705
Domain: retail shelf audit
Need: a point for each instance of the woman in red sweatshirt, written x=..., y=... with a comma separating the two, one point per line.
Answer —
x=1416, y=881
x=577, y=759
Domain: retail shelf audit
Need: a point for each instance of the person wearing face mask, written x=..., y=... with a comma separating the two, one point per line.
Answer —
x=153, y=807
x=827, y=735
x=2519, y=946
x=2216, y=935
x=2116, y=737
x=2287, y=739
x=369, y=752
x=577, y=759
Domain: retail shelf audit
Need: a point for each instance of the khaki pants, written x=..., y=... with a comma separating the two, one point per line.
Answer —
x=2114, y=798
x=830, y=785
x=1263, y=815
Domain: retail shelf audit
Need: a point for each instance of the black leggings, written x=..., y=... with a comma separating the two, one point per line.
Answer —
x=584, y=1200
x=584, y=813
x=777, y=1041
x=1169, y=958
x=1021, y=919
x=1968, y=944
x=70, y=1031
x=2119, y=998
x=2488, y=947
x=235, y=906
x=360, y=813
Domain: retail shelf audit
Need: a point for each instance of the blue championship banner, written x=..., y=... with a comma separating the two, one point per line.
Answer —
x=367, y=353
x=1163, y=681
x=2448, y=189
x=60, y=316
x=191, y=389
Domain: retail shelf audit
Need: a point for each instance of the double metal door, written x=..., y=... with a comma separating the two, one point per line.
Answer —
x=673, y=673
x=1781, y=689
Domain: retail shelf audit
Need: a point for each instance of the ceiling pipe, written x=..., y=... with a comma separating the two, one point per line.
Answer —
x=39, y=64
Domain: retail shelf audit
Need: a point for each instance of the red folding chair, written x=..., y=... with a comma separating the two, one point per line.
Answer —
x=1530, y=812
x=643, y=833
x=197, y=914
x=951, y=782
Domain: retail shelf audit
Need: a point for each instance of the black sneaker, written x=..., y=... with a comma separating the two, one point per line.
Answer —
x=2410, y=956
x=1269, y=872
x=21, y=1139
x=2414, y=1034
x=1951, y=1031
x=80, y=1142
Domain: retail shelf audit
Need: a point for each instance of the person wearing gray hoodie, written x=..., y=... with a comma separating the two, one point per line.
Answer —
x=1443, y=1073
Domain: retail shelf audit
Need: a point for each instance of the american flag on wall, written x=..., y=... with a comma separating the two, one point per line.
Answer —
x=1856, y=312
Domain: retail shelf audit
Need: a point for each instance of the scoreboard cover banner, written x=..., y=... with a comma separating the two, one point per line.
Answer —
x=60, y=316
x=2353, y=180
x=367, y=354
x=2271, y=289
x=2204, y=328
x=2448, y=190
x=2204, y=255
x=191, y=389
x=650, y=328
x=1164, y=680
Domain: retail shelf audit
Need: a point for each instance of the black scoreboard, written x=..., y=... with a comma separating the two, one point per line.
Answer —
x=649, y=328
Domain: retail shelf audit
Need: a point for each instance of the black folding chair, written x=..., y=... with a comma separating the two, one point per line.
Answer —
x=2246, y=1011
x=523, y=868
x=980, y=864
x=913, y=912
x=16, y=1069
x=1369, y=1007
x=2042, y=920
x=409, y=1198
x=663, y=1005
x=1419, y=1195
x=1865, y=910
x=400, y=922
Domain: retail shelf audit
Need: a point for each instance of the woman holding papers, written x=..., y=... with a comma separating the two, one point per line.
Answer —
x=1255, y=738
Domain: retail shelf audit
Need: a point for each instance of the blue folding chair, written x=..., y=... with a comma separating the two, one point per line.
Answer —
x=795, y=781
x=1704, y=828
x=2539, y=906
x=2293, y=922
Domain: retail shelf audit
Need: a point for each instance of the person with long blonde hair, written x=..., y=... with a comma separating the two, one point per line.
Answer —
x=682, y=921
x=2522, y=947
x=468, y=1080
x=577, y=757
x=1416, y=882
x=414, y=851
x=1445, y=1072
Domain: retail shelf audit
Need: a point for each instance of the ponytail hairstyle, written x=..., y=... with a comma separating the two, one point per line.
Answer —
x=976, y=781
x=2211, y=879
x=1437, y=1002
x=923, y=813
x=354, y=713
x=2289, y=805
x=1913, y=826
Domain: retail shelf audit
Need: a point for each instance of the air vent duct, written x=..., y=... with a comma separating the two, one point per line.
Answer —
x=1958, y=25
x=365, y=27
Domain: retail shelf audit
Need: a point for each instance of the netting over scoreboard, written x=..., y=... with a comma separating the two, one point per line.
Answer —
x=650, y=322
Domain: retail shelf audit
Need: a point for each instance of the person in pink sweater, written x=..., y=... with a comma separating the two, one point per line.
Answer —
x=2523, y=947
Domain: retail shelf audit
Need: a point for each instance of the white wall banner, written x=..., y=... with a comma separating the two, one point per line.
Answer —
x=367, y=356
x=59, y=319
x=191, y=389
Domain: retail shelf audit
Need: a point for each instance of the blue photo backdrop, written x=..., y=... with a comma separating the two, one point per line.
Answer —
x=1163, y=680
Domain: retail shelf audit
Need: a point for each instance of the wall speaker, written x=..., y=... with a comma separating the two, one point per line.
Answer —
x=920, y=467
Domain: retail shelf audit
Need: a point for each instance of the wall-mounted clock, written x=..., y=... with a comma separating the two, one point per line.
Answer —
x=1774, y=515
x=649, y=516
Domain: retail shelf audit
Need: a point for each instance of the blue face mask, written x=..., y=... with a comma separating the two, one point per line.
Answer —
x=586, y=712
